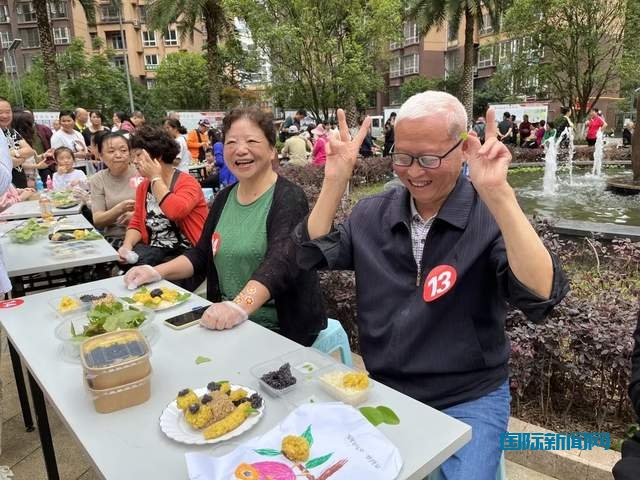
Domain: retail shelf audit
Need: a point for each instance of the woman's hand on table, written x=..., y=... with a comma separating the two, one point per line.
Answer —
x=140, y=275
x=222, y=316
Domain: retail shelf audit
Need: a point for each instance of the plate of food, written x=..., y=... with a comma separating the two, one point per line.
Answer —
x=212, y=414
x=79, y=234
x=28, y=231
x=157, y=298
x=64, y=199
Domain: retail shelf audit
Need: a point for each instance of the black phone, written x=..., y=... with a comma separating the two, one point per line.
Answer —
x=187, y=319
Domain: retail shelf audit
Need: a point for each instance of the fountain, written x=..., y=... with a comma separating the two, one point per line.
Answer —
x=598, y=153
x=550, y=182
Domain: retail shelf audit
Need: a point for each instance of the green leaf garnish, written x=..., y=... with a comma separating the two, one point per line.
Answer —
x=128, y=299
x=268, y=452
x=388, y=415
x=314, y=462
x=308, y=436
x=200, y=359
x=373, y=415
x=182, y=297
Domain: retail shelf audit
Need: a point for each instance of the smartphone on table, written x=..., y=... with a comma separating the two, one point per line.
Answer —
x=187, y=319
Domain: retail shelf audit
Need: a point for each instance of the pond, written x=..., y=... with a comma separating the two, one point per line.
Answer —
x=584, y=198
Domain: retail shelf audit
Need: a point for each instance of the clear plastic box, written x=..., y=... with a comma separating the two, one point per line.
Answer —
x=83, y=304
x=305, y=364
x=351, y=396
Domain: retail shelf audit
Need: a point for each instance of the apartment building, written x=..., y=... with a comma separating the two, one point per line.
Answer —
x=435, y=55
x=129, y=34
x=18, y=21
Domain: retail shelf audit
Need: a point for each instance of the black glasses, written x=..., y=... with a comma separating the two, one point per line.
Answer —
x=425, y=161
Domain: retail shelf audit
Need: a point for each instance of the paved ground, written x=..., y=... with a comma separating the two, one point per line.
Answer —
x=22, y=454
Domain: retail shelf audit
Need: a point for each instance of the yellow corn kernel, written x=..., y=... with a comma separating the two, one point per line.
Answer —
x=237, y=394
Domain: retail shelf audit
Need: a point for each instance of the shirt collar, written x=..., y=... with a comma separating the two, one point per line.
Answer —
x=455, y=210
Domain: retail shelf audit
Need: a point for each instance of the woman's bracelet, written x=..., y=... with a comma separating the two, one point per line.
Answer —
x=155, y=179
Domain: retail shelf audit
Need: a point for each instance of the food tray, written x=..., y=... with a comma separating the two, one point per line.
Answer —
x=74, y=249
x=352, y=398
x=83, y=306
x=305, y=364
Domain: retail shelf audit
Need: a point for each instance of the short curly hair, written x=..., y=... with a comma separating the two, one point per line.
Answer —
x=263, y=120
x=156, y=142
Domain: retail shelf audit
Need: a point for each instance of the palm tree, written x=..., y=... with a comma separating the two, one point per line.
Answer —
x=437, y=13
x=187, y=14
x=47, y=46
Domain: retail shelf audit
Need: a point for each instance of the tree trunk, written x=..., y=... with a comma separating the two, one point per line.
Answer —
x=49, y=59
x=466, y=90
x=635, y=145
x=214, y=21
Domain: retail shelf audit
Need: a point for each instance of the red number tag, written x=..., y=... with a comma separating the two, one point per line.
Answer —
x=439, y=281
x=11, y=303
x=216, y=240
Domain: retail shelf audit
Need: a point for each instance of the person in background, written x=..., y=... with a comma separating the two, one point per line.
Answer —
x=170, y=208
x=524, y=130
x=43, y=163
x=514, y=131
x=121, y=121
x=563, y=121
x=112, y=191
x=246, y=249
x=319, y=145
x=198, y=140
x=540, y=132
x=55, y=126
x=6, y=166
x=81, y=118
x=389, y=130
x=627, y=133
x=594, y=124
x=94, y=126
x=296, y=120
x=226, y=175
x=367, y=147
x=505, y=129
x=14, y=195
x=479, y=127
x=137, y=119
x=67, y=177
x=176, y=131
x=444, y=246
x=296, y=148
x=68, y=137
x=549, y=132
x=19, y=149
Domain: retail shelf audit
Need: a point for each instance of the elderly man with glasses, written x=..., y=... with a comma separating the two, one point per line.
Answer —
x=436, y=263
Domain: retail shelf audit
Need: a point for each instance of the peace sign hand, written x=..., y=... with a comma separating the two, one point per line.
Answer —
x=342, y=154
x=488, y=163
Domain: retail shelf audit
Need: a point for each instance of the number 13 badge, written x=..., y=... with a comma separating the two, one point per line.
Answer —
x=440, y=280
x=216, y=240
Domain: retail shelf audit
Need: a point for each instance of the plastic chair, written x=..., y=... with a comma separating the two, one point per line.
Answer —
x=501, y=474
x=332, y=338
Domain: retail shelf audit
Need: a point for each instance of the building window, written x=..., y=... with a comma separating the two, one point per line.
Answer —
x=410, y=64
x=452, y=33
x=30, y=37
x=504, y=52
x=171, y=38
x=151, y=83
x=142, y=13
x=410, y=33
x=395, y=69
x=57, y=9
x=60, y=35
x=450, y=63
x=4, y=14
x=149, y=39
x=118, y=62
x=395, y=45
x=395, y=97
x=26, y=12
x=109, y=13
x=487, y=25
x=151, y=62
x=5, y=39
x=485, y=57
x=115, y=41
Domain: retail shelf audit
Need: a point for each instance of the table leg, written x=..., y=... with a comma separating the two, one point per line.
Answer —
x=43, y=429
x=22, y=388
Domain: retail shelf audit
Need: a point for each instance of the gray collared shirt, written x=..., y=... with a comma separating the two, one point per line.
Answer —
x=419, y=230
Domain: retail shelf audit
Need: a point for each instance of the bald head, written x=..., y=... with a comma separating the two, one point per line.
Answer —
x=433, y=104
x=82, y=116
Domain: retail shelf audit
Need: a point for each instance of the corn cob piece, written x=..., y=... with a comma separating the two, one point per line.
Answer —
x=229, y=423
x=237, y=394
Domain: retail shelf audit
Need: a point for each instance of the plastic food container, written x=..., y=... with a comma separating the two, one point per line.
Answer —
x=330, y=379
x=67, y=305
x=115, y=358
x=262, y=368
x=112, y=399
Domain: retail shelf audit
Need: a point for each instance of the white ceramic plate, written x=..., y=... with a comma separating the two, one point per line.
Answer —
x=164, y=305
x=173, y=424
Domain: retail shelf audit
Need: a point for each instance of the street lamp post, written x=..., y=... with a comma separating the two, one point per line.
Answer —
x=11, y=51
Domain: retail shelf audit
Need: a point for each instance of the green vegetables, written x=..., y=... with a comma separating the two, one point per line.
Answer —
x=28, y=231
x=108, y=317
x=380, y=414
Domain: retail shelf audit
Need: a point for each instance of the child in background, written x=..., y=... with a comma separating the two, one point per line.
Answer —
x=66, y=177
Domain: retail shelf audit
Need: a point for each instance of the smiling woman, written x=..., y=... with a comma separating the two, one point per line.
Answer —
x=247, y=234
